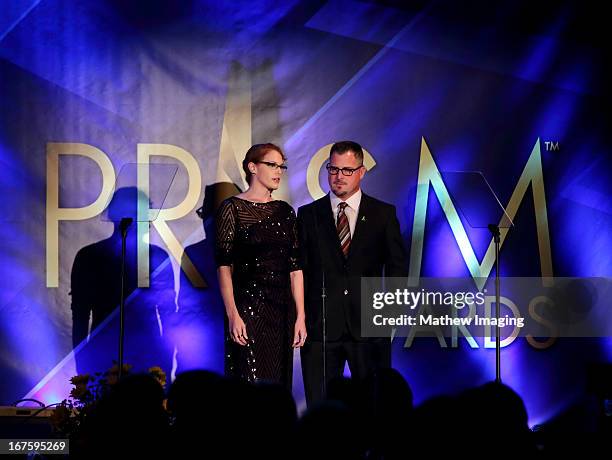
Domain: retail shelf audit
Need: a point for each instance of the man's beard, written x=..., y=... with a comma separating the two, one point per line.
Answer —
x=340, y=193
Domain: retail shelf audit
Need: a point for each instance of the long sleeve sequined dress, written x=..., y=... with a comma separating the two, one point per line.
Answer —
x=259, y=241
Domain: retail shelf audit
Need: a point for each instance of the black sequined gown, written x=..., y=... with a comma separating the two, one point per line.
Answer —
x=259, y=241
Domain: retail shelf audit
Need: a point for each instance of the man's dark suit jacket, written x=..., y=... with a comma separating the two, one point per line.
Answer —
x=376, y=245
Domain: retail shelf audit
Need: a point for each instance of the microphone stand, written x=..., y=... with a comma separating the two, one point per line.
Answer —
x=323, y=308
x=324, y=312
x=494, y=229
x=124, y=225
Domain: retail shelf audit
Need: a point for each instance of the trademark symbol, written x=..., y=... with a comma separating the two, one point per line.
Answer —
x=552, y=146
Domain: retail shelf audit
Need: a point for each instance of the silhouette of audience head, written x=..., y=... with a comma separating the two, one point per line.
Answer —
x=329, y=429
x=503, y=409
x=347, y=391
x=484, y=414
x=387, y=398
x=130, y=417
x=388, y=393
x=220, y=412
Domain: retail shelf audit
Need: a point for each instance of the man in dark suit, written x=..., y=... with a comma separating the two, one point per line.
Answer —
x=346, y=235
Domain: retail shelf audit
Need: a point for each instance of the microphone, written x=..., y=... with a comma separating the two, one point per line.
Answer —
x=125, y=224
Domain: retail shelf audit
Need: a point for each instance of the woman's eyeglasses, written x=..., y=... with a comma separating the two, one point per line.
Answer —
x=274, y=166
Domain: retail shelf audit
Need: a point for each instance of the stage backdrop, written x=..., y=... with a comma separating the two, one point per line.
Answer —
x=183, y=87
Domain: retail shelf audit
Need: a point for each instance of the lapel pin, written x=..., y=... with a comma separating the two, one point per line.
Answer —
x=363, y=219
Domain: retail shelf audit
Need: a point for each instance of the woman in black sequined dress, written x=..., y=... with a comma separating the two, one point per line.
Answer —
x=259, y=272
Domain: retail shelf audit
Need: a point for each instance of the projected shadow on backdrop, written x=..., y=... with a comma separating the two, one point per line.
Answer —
x=96, y=290
x=199, y=332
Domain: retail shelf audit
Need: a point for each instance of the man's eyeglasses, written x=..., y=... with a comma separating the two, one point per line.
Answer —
x=334, y=170
x=274, y=166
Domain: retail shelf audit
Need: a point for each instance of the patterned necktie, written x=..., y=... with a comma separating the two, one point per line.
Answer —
x=344, y=231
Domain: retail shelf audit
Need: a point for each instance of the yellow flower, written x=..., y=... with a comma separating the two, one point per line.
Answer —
x=115, y=369
x=112, y=376
x=159, y=375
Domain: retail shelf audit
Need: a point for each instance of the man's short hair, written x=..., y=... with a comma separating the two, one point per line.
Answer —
x=342, y=147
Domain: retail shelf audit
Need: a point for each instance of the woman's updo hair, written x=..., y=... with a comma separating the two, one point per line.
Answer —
x=255, y=154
